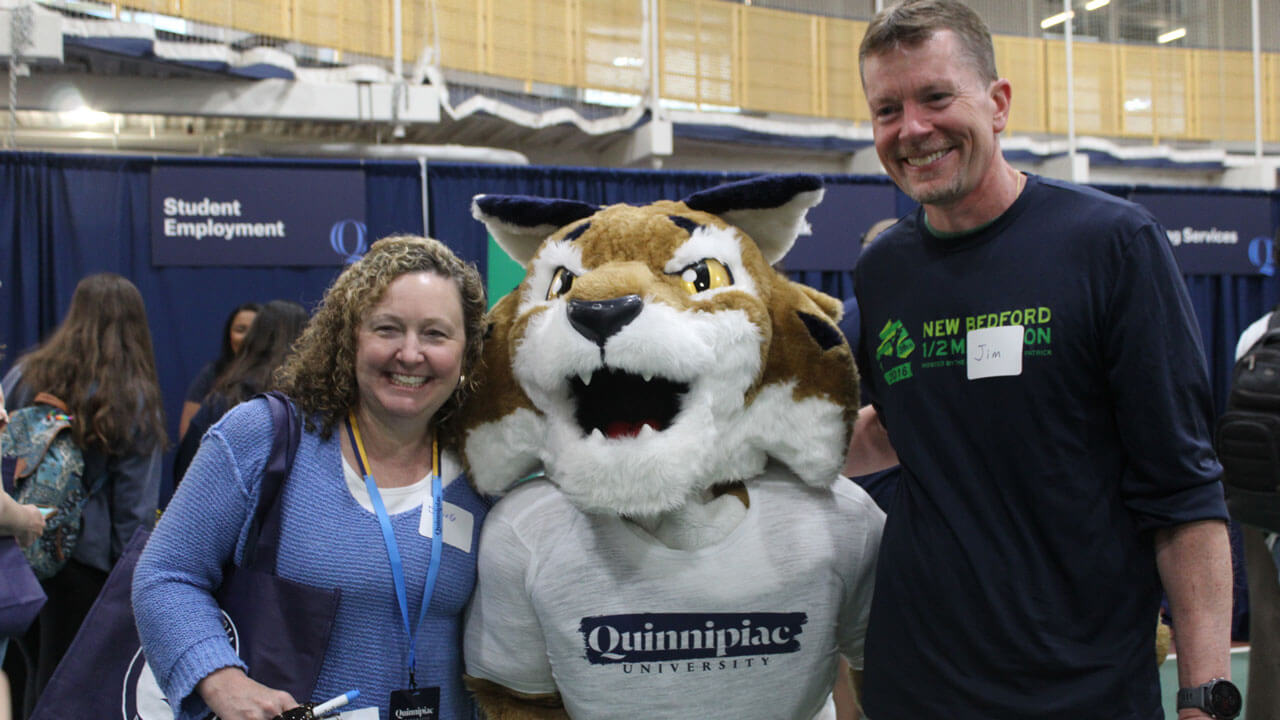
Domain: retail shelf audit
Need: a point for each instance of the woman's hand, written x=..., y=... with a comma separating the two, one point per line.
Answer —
x=232, y=695
x=24, y=522
x=30, y=525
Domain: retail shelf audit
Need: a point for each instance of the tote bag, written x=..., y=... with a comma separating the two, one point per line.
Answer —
x=21, y=596
x=280, y=628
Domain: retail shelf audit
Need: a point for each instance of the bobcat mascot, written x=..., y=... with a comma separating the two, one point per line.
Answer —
x=687, y=550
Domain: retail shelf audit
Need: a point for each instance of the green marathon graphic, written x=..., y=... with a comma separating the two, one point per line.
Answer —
x=895, y=344
x=942, y=340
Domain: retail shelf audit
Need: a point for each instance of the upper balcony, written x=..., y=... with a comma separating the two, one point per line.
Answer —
x=678, y=83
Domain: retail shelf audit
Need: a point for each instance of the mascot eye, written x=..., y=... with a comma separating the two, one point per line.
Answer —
x=704, y=275
x=561, y=281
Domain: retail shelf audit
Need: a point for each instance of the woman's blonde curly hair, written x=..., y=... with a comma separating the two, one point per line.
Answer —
x=320, y=374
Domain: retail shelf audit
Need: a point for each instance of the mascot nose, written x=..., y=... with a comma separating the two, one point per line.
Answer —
x=598, y=320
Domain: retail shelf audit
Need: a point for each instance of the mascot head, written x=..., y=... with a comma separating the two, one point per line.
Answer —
x=652, y=353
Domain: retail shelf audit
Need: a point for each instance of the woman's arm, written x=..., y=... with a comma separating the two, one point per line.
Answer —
x=24, y=522
x=179, y=623
x=133, y=482
x=189, y=410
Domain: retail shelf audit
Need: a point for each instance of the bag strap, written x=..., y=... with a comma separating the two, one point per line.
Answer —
x=50, y=399
x=262, y=543
x=1270, y=335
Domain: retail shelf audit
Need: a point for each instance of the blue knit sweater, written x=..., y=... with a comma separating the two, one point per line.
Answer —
x=327, y=540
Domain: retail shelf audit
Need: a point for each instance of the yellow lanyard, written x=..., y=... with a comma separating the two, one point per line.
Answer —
x=363, y=459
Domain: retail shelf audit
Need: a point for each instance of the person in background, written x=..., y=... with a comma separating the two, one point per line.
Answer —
x=1032, y=353
x=1262, y=570
x=25, y=523
x=264, y=349
x=879, y=485
x=377, y=377
x=100, y=362
x=233, y=333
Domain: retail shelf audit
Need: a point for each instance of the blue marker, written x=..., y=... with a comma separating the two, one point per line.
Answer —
x=329, y=706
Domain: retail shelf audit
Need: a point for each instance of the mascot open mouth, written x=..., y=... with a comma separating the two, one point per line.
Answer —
x=619, y=404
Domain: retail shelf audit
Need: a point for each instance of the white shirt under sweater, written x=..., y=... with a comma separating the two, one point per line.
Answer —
x=400, y=499
x=595, y=608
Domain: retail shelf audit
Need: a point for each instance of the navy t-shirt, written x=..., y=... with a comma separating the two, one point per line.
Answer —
x=1017, y=575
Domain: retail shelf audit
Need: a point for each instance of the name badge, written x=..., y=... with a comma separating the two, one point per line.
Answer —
x=459, y=525
x=415, y=704
x=994, y=352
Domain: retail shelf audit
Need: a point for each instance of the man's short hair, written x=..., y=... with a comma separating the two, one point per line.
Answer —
x=912, y=22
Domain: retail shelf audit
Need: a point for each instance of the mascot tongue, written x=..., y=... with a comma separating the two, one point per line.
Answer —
x=628, y=428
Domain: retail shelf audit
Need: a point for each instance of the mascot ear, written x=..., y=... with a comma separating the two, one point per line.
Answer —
x=769, y=209
x=520, y=223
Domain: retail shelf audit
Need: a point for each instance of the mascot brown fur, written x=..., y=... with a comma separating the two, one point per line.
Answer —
x=685, y=547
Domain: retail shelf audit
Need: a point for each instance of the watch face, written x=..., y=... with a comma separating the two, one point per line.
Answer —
x=1225, y=699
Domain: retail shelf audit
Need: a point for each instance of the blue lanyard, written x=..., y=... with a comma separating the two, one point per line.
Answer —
x=393, y=550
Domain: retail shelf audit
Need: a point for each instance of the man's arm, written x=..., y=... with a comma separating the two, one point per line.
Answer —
x=1194, y=560
x=869, y=448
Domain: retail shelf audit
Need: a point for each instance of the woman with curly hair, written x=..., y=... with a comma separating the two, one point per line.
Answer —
x=100, y=363
x=377, y=376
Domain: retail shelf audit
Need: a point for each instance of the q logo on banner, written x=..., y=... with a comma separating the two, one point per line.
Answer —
x=1262, y=255
x=338, y=240
x=142, y=698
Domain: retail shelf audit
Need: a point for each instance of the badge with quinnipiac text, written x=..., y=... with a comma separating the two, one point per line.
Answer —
x=415, y=704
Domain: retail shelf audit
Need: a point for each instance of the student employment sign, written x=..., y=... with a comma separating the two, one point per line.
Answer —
x=202, y=215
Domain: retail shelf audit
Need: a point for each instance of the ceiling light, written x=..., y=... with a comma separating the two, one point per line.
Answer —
x=1058, y=19
x=1172, y=35
x=85, y=115
x=1134, y=105
x=1095, y=4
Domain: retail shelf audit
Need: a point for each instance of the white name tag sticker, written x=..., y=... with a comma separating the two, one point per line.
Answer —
x=369, y=713
x=459, y=525
x=994, y=352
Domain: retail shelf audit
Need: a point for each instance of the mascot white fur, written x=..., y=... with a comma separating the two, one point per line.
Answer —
x=688, y=550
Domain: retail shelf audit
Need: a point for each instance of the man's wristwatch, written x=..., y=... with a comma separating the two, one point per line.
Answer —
x=1218, y=697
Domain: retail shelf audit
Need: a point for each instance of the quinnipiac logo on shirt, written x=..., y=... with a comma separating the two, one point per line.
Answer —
x=672, y=637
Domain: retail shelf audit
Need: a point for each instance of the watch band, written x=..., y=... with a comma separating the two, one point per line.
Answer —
x=1193, y=698
x=1207, y=698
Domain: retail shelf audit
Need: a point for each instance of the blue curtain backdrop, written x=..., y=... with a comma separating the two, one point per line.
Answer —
x=65, y=216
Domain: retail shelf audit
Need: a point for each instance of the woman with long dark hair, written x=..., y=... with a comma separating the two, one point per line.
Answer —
x=100, y=363
x=265, y=347
x=234, y=330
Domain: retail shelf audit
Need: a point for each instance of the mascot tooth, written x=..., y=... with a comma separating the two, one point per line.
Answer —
x=688, y=549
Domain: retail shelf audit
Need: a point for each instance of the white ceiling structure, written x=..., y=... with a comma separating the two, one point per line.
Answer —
x=125, y=83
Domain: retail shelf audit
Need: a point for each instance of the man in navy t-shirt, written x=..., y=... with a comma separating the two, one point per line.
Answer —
x=1030, y=348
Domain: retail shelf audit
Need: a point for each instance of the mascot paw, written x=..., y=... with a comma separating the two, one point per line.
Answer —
x=501, y=703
